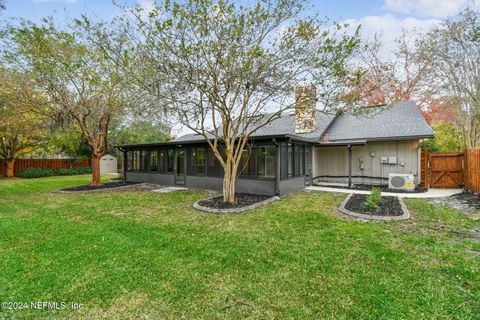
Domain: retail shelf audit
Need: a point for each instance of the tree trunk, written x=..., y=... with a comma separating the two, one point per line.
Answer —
x=229, y=183
x=10, y=168
x=96, y=170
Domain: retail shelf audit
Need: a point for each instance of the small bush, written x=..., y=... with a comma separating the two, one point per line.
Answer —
x=374, y=199
x=84, y=170
x=36, y=173
x=73, y=171
x=46, y=172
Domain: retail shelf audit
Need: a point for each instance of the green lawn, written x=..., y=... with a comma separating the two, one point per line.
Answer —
x=131, y=255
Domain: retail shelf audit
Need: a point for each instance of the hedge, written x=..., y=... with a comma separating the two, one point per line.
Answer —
x=47, y=172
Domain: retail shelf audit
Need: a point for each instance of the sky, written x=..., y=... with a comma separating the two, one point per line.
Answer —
x=385, y=17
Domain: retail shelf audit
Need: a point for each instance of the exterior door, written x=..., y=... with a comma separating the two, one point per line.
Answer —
x=180, y=167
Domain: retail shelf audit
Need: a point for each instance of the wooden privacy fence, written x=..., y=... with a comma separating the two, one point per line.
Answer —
x=451, y=169
x=424, y=169
x=472, y=169
x=442, y=169
x=446, y=169
x=22, y=164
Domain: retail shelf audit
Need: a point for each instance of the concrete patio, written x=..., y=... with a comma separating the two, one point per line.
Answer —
x=431, y=193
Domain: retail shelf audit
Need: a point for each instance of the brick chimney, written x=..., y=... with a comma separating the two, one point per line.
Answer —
x=305, y=113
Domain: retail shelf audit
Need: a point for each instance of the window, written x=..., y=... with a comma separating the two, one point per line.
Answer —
x=244, y=167
x=129, y=160
x=267, y=161
x=214, y=168
x=253, y=162
x=290, y=160
x=211, y=159
x=293, y=159
x=153, y=160
x=170, y=153
x=301, y=160
x=145, y=160
x=162, y=160
x=198, y=161
x=136, y=160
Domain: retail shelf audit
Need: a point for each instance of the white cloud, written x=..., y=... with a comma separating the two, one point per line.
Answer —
x=389, y=26
x=429, y=8
x=65, y=1
x=142, y=9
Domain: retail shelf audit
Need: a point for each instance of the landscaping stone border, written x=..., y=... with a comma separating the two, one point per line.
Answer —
x=405, y=215
x=197, y=206
x=109, y=189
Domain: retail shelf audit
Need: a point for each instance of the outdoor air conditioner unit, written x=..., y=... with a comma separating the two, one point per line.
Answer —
x=401, y=181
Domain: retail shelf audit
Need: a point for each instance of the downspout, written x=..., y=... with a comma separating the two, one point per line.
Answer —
x=349, y=166
x=277, y=176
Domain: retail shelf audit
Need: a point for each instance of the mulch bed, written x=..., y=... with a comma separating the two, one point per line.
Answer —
x=108, y=185
x=368, y=187
x=241, y=200
x=468, y=198
x=390, y=206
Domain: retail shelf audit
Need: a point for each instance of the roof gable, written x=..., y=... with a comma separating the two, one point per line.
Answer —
x=400, y=120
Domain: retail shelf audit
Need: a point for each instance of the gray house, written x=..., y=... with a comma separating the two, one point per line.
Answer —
x=293, y=151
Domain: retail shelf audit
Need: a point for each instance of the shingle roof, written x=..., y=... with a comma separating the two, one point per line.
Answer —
x=286, y=125
x=283, y=125
x=189, y=137
x=400, y=120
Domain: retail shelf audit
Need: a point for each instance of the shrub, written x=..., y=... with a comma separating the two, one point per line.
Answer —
x=374, y=199
x=36, y=173
x=46, y=172
x=73, y=171
x=84, y=170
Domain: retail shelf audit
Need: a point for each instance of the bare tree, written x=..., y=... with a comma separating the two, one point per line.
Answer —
x=454, y=49
x=380, y=77
x=227, y=70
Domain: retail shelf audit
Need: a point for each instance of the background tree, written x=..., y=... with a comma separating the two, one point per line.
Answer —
x=447, y=138
x=454, y=49
x=442, y=114
x=226, y=70
x=139, y=131
x=67, y=142
x=80, y=84
x=21, y=129
x=381, y=76
x=443, y=109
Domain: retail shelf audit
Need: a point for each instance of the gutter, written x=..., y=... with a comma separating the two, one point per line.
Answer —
x=343, y=143
x=252, y=138
x=374, y=139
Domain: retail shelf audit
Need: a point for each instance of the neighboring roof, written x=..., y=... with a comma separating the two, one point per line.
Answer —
x=401, y=120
